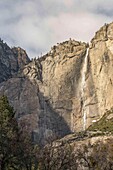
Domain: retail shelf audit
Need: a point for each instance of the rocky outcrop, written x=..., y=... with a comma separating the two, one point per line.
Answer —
x=64, y=91
x=46, y=91
x=21, y=56
x=99, y=86
x=11, y=60
x=89, y=153
x=58, y=75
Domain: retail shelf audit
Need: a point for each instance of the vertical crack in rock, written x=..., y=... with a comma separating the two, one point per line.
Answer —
x=83, y=85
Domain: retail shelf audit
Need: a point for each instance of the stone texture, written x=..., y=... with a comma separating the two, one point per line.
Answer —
x=46, y=90
x=100, y=74
x=10, y=60
x=64, y=91
x=21, y=56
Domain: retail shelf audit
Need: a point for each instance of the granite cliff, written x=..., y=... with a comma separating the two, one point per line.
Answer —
x=11, y=61
x=64, y=91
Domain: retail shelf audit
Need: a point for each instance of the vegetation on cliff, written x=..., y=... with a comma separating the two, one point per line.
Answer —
x=17, y=151
x=105, y=124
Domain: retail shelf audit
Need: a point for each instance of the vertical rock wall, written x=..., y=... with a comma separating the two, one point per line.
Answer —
x=100, y=76
x=64, y=91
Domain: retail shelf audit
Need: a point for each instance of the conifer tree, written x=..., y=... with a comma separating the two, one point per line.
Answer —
x=8, y=133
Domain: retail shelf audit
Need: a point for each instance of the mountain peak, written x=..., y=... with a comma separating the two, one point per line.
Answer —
x=11, y=60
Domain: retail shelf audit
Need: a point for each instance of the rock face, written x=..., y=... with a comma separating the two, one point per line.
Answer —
x=11, y=60
x=99, y=84
x=64, y=91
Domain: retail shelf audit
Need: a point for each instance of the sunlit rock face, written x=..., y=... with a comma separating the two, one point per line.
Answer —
x=58, y=77
x=100, y=74
x=64, y=91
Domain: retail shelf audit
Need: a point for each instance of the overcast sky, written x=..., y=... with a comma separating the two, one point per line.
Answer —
x=36, y=25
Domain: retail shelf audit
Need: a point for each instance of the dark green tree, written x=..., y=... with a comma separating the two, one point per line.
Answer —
x=8, y=134
x=17, y=152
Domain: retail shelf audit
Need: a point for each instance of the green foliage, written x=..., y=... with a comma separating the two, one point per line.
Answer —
x=8, y=131
x=16, y=148
x=104, y=124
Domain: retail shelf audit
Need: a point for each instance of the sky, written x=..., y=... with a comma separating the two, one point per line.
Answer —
x=37, y=25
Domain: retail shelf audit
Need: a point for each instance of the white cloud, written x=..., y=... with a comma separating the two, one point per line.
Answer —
x=36, y=25
x=80, y=26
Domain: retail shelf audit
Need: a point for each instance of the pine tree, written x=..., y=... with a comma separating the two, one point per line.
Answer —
x=16, y=147
x=8, y=132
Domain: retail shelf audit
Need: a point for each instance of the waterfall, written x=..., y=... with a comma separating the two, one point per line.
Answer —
x=83, y=86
